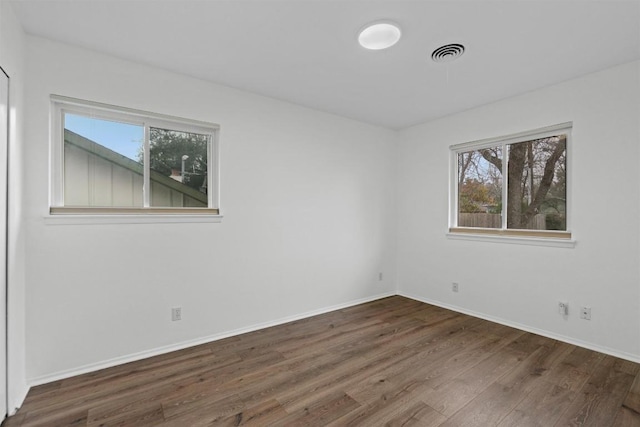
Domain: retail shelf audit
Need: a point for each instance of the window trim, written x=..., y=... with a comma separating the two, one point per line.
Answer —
x=503, y=233
x=62, y=104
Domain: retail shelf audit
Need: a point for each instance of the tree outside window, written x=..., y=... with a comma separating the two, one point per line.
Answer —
x=535, y=197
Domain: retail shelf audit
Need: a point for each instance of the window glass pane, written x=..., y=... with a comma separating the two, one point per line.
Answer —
x=480, y=188
x=178, y=162
x=102, y=162
x=537, y=187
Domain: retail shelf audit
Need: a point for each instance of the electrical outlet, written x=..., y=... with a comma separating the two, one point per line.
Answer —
x=176, y=314
x=380, y=276
x=454, y=287
x=585, y=313
x=563, y=308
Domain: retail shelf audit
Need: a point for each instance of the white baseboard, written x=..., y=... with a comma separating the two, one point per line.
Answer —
x=191, y=343
x=14, y=402
x=548, y=334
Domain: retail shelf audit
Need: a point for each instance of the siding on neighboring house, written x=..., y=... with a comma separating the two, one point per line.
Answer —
x=97, y=176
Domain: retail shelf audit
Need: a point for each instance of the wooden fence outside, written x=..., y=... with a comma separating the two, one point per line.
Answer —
x=485, y=220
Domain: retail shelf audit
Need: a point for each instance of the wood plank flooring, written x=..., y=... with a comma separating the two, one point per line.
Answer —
x=391, y=362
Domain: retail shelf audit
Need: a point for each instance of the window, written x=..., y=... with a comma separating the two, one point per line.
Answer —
x=514, y=185
x=111, y=160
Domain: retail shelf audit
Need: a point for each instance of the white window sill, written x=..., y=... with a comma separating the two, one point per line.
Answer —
x=517, y=240
x=75, y=219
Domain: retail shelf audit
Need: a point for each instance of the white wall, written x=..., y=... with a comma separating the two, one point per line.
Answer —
x=521, y=285
x=12, y=61
x=309, y=221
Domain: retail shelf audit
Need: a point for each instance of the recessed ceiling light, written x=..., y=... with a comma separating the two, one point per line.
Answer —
x=379, y=35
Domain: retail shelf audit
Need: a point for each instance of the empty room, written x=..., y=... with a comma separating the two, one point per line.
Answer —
x=319, y=213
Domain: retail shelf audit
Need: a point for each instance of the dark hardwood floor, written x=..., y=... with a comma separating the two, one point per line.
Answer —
x=393, y=362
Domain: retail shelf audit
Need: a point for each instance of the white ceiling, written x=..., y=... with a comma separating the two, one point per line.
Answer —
x=306, y=51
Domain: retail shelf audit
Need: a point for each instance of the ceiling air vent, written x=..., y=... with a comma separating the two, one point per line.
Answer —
x=447, y=53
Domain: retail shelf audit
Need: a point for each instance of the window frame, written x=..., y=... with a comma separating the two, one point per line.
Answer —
x=504, y=233
x=60, y=105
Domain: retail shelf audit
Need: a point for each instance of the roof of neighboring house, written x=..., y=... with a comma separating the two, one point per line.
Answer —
x=111, y=156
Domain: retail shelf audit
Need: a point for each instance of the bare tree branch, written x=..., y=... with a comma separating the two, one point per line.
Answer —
x=547, y=180
x=491, y=156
